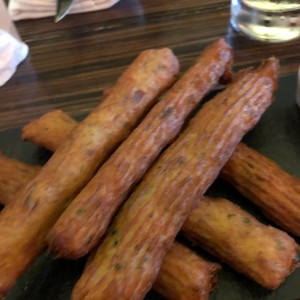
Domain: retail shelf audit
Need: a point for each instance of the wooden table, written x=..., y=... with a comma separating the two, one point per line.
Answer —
x=71, y=62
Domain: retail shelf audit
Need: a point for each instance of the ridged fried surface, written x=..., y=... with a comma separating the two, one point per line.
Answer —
x=55, y=125
x=127, y=262
x=262, y=181
x=263, y=253
x=84, y=222
x=26, y=220
x=13, y=175
x=276, y=192
x=49, y=131
x=185, y=276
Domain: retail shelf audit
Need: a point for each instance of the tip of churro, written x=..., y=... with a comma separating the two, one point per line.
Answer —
x=270, y=68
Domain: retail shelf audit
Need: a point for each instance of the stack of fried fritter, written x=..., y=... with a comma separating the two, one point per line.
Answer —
x=128, y=178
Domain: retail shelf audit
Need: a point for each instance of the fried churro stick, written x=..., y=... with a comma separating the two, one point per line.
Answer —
x=258, y=178
x=185, y=276
x=83, y=223
x=217, y=225
x=262, y=181
x=56, y=125
x=13, y=175
x=127, y=262
x=219, y=230
x=263, y=253
x=49, y=131
x=26, y=220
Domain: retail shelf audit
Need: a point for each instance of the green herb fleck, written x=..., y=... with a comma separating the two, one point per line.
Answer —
x=80, y=211
x=181, y=160
x=113, y=231
x=119, y=267
x=229, y=216
x=89, y=239
x=143, y=261
x=167, y=112
x=251, y=166
x=246, y=220
x=29, y=203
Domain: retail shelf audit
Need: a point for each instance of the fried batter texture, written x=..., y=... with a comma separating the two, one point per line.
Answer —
x=13, y=175
x=262, y=181
x=184, y=275
x=263, y=253
x=83, y=223
x=56, y=125
x=126, y=264
x=26, y=220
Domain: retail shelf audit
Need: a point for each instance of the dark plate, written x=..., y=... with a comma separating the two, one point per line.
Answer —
x=277, y=136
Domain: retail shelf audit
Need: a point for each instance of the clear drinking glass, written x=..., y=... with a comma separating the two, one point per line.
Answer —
x=267, y=20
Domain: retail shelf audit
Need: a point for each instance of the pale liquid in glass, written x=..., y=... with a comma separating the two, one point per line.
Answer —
x=267, y=20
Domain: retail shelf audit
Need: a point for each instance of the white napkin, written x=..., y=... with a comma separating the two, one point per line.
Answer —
x=31, y=9
x=12, y=50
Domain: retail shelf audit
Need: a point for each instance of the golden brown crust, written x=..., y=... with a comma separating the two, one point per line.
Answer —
x=261, y=180
x=258, y=178
x=263, y=253
x=55, y=125
x=13, y=175
x=49, y=131
x=26, y=220
x=84, y=222
x=185, y=276
x=127, y=262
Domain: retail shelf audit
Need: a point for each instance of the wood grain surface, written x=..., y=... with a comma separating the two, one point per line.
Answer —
x=72, y=61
